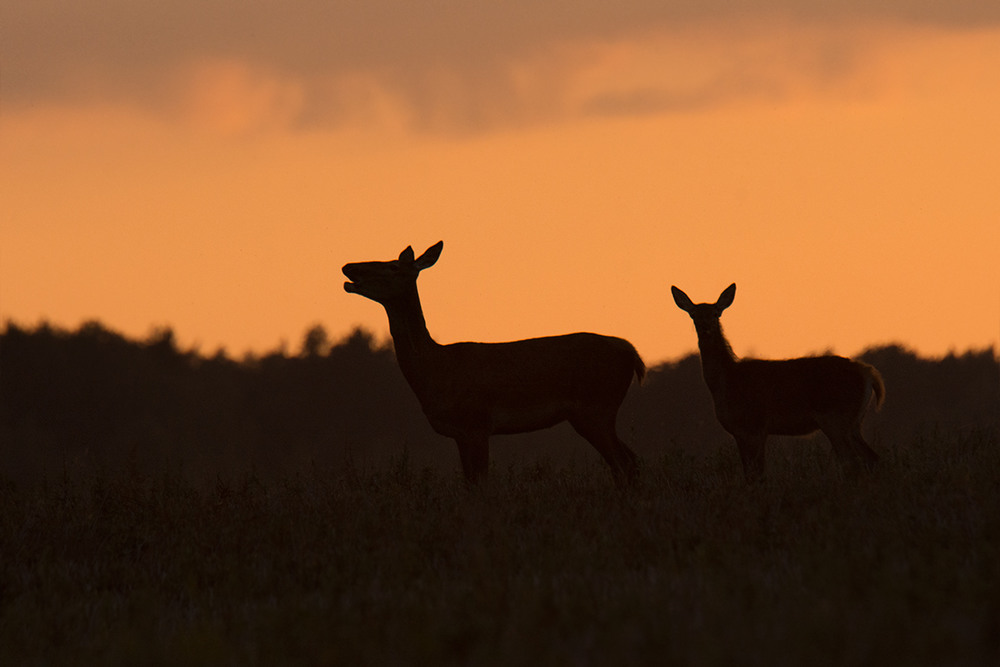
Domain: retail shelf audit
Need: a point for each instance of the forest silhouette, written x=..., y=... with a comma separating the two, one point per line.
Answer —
x=94, y=400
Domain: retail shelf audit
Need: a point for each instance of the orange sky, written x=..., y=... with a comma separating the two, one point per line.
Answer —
x=841, y=165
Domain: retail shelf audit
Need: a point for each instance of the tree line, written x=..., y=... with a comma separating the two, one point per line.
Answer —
x=91, y=399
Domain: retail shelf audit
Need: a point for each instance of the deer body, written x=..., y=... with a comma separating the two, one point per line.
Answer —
x=467, y=385
x=755, y=398
x=470, y=391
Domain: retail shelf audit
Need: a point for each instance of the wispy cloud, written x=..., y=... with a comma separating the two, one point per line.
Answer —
x=451, y=65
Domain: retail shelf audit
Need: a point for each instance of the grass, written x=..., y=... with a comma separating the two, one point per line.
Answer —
x=545, y=565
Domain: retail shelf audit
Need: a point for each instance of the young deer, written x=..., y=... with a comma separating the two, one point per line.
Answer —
x=755, y=398
x=470, y=391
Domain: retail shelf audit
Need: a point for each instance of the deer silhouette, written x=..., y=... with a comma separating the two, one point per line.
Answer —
x=471, y=391
x=755, y=398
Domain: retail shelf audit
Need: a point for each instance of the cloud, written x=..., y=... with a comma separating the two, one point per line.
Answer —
x=448, y=65
x=705, y=68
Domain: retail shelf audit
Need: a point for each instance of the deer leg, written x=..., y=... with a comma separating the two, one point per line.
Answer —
x=862, y=449
x=849, y=446
x=842, y=448
x=626, y=465
x=475, y=454
x=752, y=456
x=600, y=432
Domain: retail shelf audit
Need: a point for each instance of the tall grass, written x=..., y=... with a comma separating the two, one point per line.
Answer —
x=546, y=565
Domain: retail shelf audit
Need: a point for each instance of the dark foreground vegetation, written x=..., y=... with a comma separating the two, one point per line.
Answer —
x=162, y=507
x=543, y=566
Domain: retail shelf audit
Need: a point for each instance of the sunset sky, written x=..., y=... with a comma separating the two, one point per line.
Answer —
x=210, y=165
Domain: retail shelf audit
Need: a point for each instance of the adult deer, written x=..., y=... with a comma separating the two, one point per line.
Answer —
x=755, y=398
x=470, y=391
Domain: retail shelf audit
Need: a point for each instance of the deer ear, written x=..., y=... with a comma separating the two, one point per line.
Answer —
x=430, y=256
x=682, y=300
x=406, y=255
x=726, y=298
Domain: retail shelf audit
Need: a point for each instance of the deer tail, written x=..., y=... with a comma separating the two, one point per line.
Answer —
x=874, y=381
x=639, y=366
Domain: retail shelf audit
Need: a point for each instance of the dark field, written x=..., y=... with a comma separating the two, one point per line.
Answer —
x=546, y=565
x=162, y=506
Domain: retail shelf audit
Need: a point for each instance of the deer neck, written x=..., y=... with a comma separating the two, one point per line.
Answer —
x=717, y=357
x=412, y=342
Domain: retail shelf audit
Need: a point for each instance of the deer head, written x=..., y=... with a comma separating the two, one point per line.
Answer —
x=705, y=315
x=386, y=281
